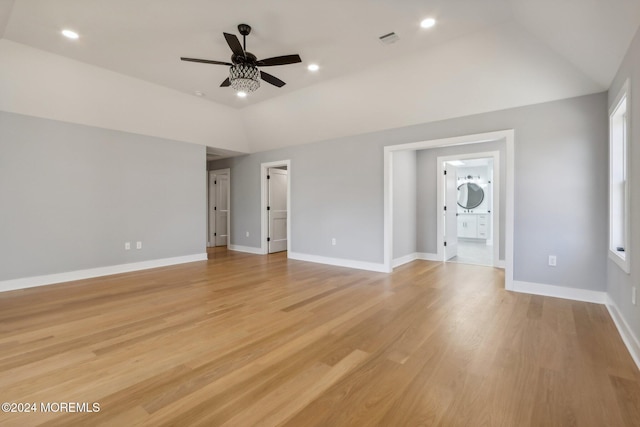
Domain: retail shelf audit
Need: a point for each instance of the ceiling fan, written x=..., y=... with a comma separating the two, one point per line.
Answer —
x=244, y=75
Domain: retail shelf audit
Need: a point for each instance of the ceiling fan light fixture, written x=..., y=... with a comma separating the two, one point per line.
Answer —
x=244, y=78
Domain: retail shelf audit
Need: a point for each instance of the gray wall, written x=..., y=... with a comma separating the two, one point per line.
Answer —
x=404, y=203
x=71, y=195
x=619, y=283
x=427, y=191
x=560, y=186
x=336, y=192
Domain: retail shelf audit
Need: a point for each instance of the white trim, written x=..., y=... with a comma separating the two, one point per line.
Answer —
x=495, y=202
x=263, y=203
x=509, y=226
x=630, y=340
x=624, y=91
x=388, y=209
x=50, y=279
x=404, y=260
x=563, y=292
x=227, y=172
x=623, y=262
x=206, y=209
x=508, y=136
x=246, y=249
x=425, y=256
x=339, y=262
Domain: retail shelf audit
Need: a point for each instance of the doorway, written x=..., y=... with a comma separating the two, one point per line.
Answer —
x=470, y=219
x=219, y=196
x=508, y=137
x=276, y=206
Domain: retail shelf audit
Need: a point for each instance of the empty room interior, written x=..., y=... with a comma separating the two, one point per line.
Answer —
x=362, y=213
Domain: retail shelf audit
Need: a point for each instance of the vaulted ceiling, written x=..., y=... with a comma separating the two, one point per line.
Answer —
x=482, y=55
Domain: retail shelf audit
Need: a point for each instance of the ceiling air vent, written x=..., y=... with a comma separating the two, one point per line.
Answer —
x=389, y=38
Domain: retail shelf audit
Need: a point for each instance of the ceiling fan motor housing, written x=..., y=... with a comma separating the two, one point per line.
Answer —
x=248, y=58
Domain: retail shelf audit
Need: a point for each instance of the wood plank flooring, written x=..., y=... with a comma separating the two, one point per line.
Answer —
x=244, y=340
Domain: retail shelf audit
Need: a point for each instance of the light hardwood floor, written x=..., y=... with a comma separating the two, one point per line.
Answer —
x=245, y=340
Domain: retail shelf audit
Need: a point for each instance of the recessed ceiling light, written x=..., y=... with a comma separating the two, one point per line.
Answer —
x=70, y=34
x=428, y=23
x=313, y=67
x=241, y=94
x=198, y=93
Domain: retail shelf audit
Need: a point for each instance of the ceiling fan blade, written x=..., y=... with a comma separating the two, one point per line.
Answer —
x=234, y=44
x=226, y=83
x=279, y=60
x=206, y=61
x=271, y=79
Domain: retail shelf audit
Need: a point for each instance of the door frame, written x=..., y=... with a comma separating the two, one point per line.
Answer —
x=442, y=226
x=503, y=135
x=226, y=171
x=264, y=218
x=495, y=202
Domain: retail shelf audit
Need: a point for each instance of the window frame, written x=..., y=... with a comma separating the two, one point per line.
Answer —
x=622, y=259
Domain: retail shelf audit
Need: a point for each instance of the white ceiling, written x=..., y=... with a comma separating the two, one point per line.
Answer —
x=523, y=52
x=146, y=38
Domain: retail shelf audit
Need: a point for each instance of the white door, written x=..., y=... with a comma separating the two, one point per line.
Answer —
x=450, y=212
x=221, y=209
x=211, y=208
x=277, y=183
x=218, y=208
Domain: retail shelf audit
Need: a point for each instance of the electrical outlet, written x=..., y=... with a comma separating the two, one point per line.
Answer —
x=138, y=245
x=247, y=234
x=552, y=260
x=633, y=295
x=333, y=241
x=127, y=246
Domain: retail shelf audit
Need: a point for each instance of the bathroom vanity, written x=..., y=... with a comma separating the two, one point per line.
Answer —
x=473, y=225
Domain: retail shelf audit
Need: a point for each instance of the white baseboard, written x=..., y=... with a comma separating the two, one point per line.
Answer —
x=414, y=256
x=630, y=340
x=404, y=260
x=339, y=262
x=501, y=264
x=246, y=249
x=50, y=279
x=559, y=292
x=425, y=256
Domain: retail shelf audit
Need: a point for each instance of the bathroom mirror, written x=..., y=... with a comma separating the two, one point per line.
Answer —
x=470, y=195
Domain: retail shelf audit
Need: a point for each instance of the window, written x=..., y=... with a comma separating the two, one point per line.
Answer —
x=618, y=180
